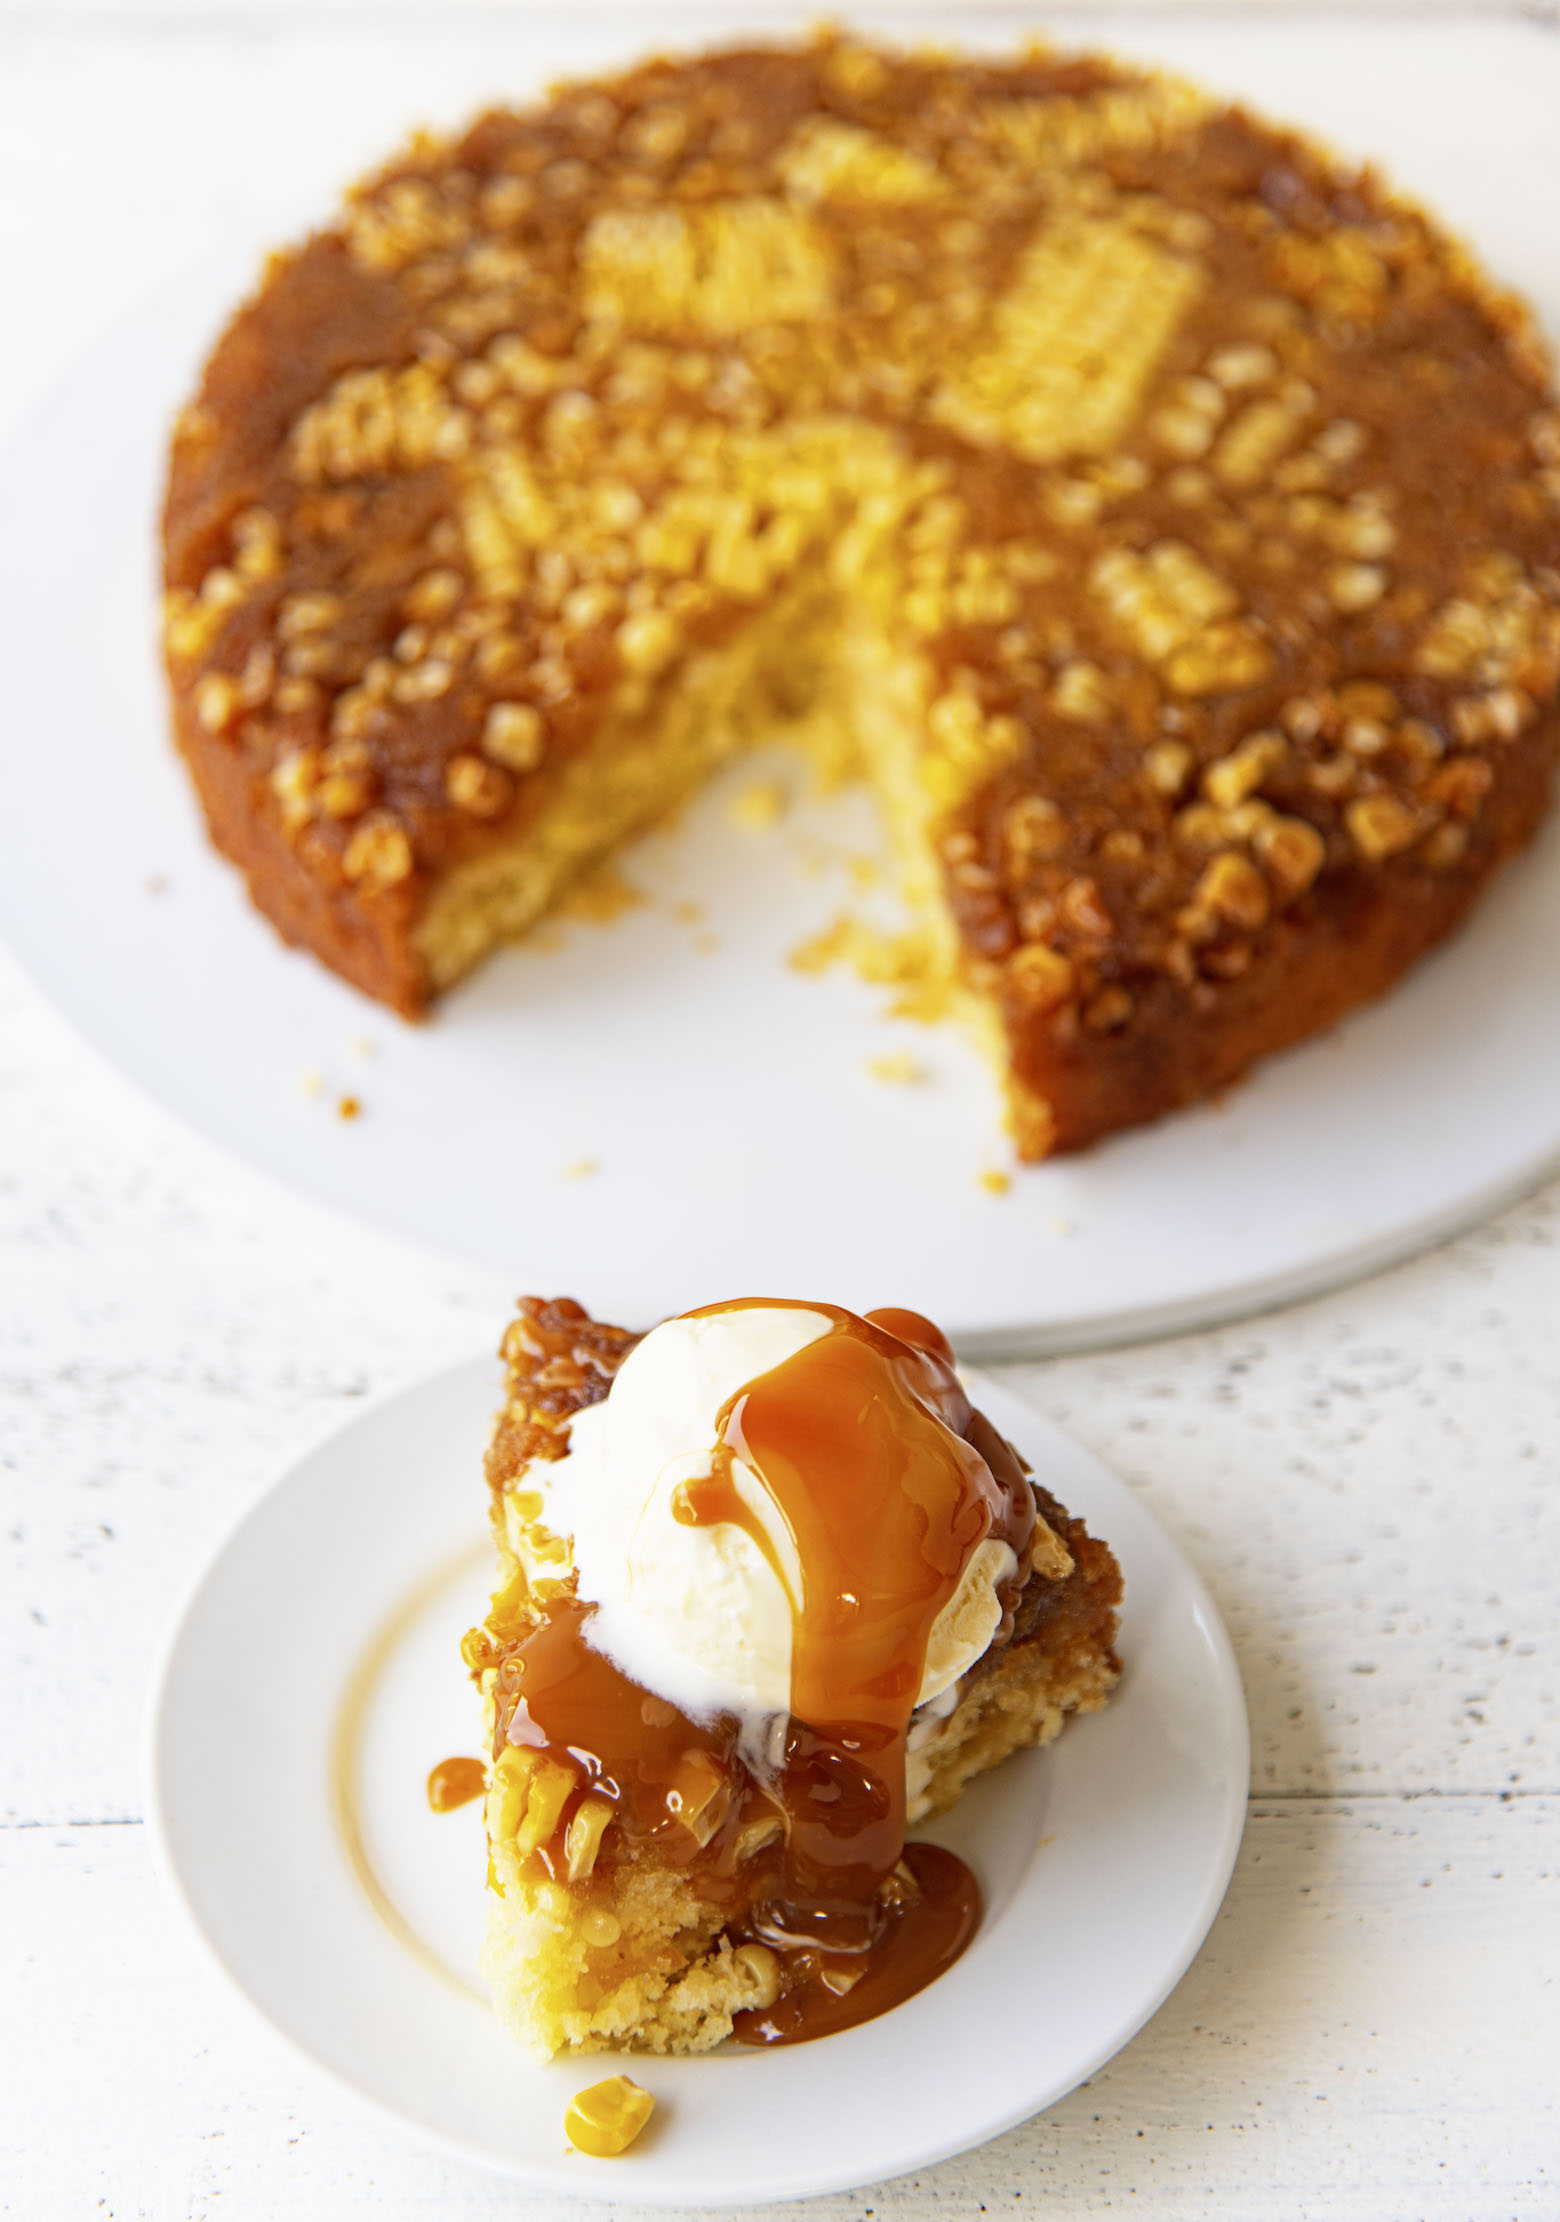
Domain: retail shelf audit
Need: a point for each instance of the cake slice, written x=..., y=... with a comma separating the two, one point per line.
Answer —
x=780, y=1594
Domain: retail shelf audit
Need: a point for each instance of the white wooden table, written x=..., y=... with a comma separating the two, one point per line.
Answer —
x=1370, y=1483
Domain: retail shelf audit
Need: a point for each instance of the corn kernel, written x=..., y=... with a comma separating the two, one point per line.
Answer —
x=379, y=855
x=1234, y=890
x=582, y=1837
x=699, y=1796
x=513, y=736
x=434, y=595
x=1081, y=693
x=1228, y=782
x=647, y=643
x=1381, y=825
x=605, y=2119
x=1167, y=767
x=1032, y=828
x=1355, y=586
x=1040, y=978
x=511, y=1779
x=551, y=1787
x=345, y=794
x=216, y=700
x=479, y=788
x=1293, y=852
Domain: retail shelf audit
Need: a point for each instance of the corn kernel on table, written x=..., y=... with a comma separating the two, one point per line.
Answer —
x=1368, y=1482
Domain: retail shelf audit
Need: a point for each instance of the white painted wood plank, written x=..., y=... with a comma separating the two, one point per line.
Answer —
x=1369, y=1482
x=1371, y=2030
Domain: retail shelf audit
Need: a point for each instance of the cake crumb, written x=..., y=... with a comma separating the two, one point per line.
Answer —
x=819, y=858
x=361, y=1046
x=601, y=896
x=901, y=1068
x=759, y=806
x=1060, y=1223
x=157, y=884
x=835, y=945
x=581, y=1168
x=906, y=962
x=688, y=914
x=311, y=1084
x=348, y=1107
x=994, y=1182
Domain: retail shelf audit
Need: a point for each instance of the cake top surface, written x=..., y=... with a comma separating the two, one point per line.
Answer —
x=1215, y=487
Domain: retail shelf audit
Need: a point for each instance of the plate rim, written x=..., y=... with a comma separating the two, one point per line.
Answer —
x=540, y=2176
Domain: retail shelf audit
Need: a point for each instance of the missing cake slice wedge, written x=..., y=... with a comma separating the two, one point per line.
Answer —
x=772, y=1590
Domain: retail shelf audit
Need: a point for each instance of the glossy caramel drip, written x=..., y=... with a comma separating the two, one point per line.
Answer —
x=557, y=1693
x=455, y=1782
x=858, y=1443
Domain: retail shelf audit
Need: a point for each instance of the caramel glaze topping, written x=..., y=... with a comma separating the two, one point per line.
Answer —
x=882, y=1480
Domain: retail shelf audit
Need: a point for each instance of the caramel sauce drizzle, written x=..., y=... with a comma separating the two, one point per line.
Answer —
x=557, y=1693
x=877, y=1482
x=857, y=1444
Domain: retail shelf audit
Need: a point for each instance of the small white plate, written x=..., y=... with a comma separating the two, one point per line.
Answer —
x=737, y=1137
x=314, y=1679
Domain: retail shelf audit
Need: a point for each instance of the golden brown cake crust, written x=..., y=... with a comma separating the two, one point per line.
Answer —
x=557, y=1360
x=1220, y=488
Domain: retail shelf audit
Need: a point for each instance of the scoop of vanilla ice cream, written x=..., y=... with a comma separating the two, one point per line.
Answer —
x=698, y=1615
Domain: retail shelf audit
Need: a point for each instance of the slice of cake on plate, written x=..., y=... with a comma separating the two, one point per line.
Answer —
x=773, y=1590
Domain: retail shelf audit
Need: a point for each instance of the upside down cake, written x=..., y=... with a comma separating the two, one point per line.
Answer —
x=1161, y=513
x=771, y=1590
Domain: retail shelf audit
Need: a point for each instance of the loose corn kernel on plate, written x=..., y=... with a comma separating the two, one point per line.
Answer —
x=623, y=1103
x=314, y=1678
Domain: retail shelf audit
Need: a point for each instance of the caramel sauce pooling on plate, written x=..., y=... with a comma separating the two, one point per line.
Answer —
x=876, y=1482
x=455, y=1782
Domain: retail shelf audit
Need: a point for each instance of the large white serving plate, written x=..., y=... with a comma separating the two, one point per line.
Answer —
x=739, y=1141
x=314, y=1679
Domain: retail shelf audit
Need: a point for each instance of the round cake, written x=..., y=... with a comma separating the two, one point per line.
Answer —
x=1162, y=514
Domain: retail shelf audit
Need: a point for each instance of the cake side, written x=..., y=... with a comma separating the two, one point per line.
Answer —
x=1061, y=1660
x=1344, y=944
